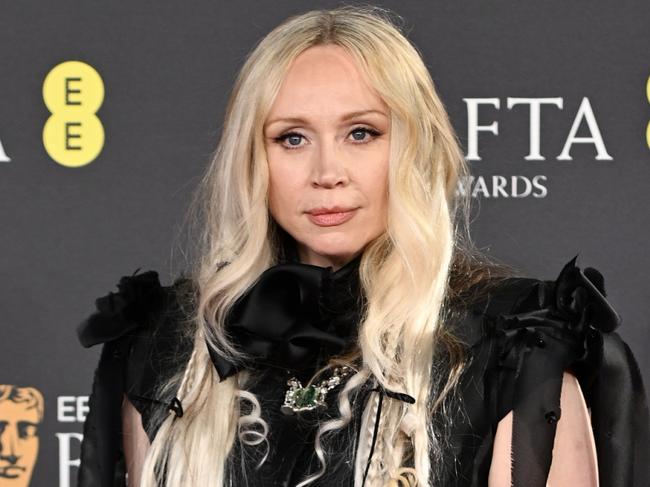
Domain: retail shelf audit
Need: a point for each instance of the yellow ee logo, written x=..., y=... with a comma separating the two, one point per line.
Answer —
x=73, y=135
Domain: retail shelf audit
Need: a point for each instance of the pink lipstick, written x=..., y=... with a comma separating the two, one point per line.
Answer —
x=327, y=217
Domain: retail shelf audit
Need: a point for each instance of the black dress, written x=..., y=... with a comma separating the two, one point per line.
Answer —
x=520, y=337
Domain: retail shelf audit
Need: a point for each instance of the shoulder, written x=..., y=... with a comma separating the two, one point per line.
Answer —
x=523, y=333
x=562, y=321
x=145, y=335
x=571, y=308
x=138, y=304
x=537, y=340
x=146, y=332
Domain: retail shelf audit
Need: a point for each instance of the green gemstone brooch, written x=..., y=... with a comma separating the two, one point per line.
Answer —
x=299, y=398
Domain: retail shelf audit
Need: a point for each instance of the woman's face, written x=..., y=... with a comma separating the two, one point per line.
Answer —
x=327, y=143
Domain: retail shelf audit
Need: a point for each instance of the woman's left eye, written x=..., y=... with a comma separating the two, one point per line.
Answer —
x=295, y=137
x=365, y=130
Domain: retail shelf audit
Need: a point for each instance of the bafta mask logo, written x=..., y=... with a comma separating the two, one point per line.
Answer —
x=21, y=411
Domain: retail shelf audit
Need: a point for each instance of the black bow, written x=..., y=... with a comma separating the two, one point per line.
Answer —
x=293, y=312
x=290, y=314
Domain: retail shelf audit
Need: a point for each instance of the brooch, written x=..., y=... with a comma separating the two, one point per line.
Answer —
x=299, y=398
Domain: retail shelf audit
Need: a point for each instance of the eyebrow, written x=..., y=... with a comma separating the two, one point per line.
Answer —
x=344, y=118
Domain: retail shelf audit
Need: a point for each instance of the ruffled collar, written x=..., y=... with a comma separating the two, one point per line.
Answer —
x=293, y=317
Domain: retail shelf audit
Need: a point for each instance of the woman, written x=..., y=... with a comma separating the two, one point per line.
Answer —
x=335, y=254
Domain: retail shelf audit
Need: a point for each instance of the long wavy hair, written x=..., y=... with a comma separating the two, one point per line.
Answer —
x=403, y=337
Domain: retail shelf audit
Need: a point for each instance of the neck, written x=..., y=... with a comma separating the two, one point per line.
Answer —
x=338, y=261
x=292, y=251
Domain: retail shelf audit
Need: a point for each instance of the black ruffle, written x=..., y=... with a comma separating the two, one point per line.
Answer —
x=139, y=296
x=291, y=315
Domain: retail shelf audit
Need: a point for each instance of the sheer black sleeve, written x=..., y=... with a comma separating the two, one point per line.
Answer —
x=143, y=342
x=522, y=339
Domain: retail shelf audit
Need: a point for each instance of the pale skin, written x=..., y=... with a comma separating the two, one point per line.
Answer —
x=574, y=462
x=135, y=442
x=334, y=158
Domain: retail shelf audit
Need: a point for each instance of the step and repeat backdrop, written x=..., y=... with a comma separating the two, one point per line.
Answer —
x=109, y=113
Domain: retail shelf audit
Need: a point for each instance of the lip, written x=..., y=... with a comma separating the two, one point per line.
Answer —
x=328, y=217
x=12, y=471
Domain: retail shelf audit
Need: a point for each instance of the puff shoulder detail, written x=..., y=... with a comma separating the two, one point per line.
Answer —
x=139, y=296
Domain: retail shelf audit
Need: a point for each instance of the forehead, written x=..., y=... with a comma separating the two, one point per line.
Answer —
x=10, y=410
x=325, y=81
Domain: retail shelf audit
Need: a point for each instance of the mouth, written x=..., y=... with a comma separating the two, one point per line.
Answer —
x=11, y=471
x=328, y=217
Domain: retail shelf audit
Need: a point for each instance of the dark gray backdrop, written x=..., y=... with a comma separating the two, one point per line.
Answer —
x=167, y=67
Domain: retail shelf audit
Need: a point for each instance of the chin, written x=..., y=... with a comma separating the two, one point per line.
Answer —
x=334, y=250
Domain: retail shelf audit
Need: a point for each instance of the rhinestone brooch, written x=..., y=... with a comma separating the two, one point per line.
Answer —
x=299, y=398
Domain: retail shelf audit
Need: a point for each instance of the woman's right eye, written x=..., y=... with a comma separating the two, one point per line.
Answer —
x=291, y=137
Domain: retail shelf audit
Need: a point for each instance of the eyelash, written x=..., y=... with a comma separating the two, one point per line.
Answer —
x=280, y=139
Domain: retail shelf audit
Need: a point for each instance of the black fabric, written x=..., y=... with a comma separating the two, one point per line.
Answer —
x=293, y=312
x=520, y=338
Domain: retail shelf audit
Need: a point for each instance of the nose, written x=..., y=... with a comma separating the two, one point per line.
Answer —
x=8, y=447
x=10, y=459
x=329, y=169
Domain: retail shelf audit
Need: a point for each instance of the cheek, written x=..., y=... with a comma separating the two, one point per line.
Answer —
x=274, y=194
x=283, y=190
x=30, y=446
x=375, y=181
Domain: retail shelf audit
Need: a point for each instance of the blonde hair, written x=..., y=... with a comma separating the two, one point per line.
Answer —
x=425, y=248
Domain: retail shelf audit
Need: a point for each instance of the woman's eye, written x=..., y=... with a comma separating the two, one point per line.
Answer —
x=364, y=131
x=291, y=140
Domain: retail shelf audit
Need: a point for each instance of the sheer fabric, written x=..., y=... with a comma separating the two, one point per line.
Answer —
x=520, y=339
